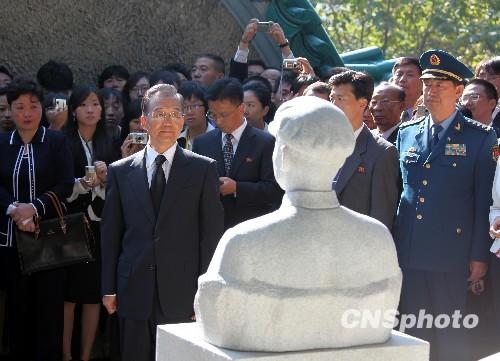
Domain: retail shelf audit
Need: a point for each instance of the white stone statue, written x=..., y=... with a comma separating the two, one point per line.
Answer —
x=283, y=281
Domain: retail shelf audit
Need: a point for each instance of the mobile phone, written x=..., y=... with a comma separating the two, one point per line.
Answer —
x=264, y=26
x=60, y=105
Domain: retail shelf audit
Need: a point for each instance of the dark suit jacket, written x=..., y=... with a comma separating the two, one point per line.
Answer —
x=368, y=181
x=178, y=245
x=238, y=70
x=257, y=192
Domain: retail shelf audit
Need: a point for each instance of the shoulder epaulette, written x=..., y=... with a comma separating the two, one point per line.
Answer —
x=478, y=125
x=411, y=122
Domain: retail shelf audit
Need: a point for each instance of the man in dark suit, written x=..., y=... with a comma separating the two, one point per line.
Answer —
x=247, y=185
x=386, y=106
x=441, y=232
x=161, y=223
x=368, y=181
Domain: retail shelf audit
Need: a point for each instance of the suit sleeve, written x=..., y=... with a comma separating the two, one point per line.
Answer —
x=265, y=191
x=238, y=70
x=211, y=217
x=112, y=225
x=385, y=187
x=483, y=181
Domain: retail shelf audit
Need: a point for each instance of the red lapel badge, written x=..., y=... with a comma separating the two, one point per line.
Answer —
x=248, y=160
x=361, y=169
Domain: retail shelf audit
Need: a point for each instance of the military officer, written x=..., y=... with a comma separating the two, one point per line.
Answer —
x=447, y=163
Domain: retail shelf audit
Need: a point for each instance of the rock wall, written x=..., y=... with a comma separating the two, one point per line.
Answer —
x=91, y=34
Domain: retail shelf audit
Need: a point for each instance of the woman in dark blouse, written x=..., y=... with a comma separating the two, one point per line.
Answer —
x=34, y=160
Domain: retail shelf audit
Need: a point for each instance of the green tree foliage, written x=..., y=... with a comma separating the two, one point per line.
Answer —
x=470, y=30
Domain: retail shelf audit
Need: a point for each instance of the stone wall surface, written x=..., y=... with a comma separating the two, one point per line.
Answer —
x=91, y=34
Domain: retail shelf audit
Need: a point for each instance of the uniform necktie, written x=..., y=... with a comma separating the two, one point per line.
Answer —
x=158, y=183
x=227, y=152
x=436, y=128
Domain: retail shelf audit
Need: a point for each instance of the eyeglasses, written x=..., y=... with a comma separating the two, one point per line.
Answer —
x=382, y=102
x=216, y=116
x=192, y=108
x=164, y=116
x=472, y=97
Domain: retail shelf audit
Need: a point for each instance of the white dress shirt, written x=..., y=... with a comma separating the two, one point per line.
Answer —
x=236, y=136
x=151, y=155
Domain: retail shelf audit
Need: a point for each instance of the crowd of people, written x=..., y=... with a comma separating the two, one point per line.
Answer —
x=191, y=157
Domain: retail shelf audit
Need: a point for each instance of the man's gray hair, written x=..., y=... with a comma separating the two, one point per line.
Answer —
x=164, y=91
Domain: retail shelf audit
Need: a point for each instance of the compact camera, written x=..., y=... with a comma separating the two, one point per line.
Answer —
x=264, y=26
x=139, y=138
x=60, y=105
x=290, y=64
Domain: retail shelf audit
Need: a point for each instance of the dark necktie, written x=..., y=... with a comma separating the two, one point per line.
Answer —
x=436, y=128
x=227, y=152
x=158, y=183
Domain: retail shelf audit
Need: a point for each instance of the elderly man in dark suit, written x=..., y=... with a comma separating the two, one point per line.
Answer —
x=161, y=223
x=368, y=181
x=244, y=156
x=386, y=106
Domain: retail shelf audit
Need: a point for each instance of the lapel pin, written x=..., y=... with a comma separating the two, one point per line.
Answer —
x=457, y=126
x=361, y=169
x=248, y=160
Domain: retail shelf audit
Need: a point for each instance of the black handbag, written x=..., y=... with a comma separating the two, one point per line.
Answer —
x=56, y=242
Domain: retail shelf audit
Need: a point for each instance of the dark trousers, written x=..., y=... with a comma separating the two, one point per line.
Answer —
x=34, y=311
x=138, y=337
x=437, y=293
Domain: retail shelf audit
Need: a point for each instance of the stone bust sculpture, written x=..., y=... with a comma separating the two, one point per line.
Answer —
x=283, y=281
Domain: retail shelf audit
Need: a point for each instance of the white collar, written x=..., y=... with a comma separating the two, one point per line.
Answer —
x=151, y=154
x=238, y=131
x=357, y=132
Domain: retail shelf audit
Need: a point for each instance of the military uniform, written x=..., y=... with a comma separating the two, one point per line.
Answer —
x=442, y=219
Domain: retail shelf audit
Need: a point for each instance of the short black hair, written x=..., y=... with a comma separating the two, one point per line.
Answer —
x=334, y=70
x=55, y=77
x=362, y=84
x=112, y=70
x=492, y=66
x=5, y=71
x=226, y=89
x=489, y=89
x=133, y=79
x=179, y=68
x=166, y=77
x=23, y=85
x=192, y=89
x=287, y=76
x=219, y=63
x=257, y=62
x=407, y=60
x=260, y=91
x=319, y=87
x=258, y=79
x=303, y=80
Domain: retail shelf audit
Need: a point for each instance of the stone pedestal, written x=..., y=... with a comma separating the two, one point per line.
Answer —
x=183, y=342
x=495, y=357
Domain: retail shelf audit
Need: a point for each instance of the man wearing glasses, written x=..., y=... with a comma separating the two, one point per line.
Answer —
x=480, y=97
x=248, y=188
x=161, y=223
x=386, y=106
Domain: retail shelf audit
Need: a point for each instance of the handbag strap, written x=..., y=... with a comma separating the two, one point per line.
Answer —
x=58, y=207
